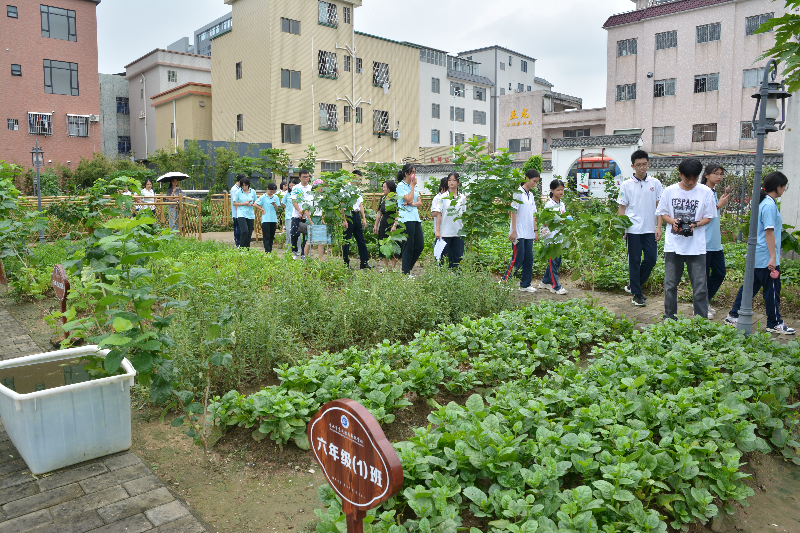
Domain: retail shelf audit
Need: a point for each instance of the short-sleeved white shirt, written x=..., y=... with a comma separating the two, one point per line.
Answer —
x=234, y=191
x=640, y=198
x=300, y=195
x=525, y=205
x=696, y=204
x=450, y=210
x=357, y=205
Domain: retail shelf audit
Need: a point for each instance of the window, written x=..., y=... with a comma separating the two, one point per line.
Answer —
x=479, y=93
x=58, y=23
x=11, y=11
x=123, y=107
x=519, y=145
x=239, y=122
x=13, y=124
x=626, y=92
x=172, y=130
x=435, y=85
x=290, y=133
x=502, y=66
x=141, y=94
x=748, y=132
x=172, y=76
x=459, y=112
x=544, y=145
x=704, y=132
x=753, y=77
x=706, y=83
x=347, y=113
x=290, y=79
x=479, y=117
x=328, y=15
x=359, y=70
x=435, y=111
x=458, y=89
x=328, y=119
x=239, y=70
x=123, y=144
x=709, y=32
x=346, y=17
x=434, y=136
x=380, y=121
x=664, y=88
x=668, y=39
x=751, y=24
x=529, y=88
x=60, y=77
x=523, y=66
x=326, y=62
x=380, y=74
x=290, y=26
x=16, y=70
x=628, y=47
x=460, y=138
x=520, y=87
x=40, y=123
x=346, y=66
x=359, y=115
x=434, y=57
x=502, y=91
x=509, y=60
x=571, y=134
x=330, y=167
x=664, y=135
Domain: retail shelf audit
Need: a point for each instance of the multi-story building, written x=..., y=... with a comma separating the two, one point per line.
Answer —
x=182, y=45
x=683, y=72
x=204, y=35
x=50, y=90
x=183, y=113
x=115, y=115
x=454, y=84
x=294, y=73
x=153, y=74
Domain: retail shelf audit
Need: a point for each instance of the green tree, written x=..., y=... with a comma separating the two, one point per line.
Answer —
x=224, y=158
x=377, y=173
x=535, y=162
x=194, y=162
x=309, y=161
x=277, y=160
x=786, y=49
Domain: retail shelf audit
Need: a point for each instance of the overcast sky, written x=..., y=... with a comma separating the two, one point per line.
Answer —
x=566, y=37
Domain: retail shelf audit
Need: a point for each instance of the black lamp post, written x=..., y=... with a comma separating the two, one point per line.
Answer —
x=770, y=96
x=37, y=159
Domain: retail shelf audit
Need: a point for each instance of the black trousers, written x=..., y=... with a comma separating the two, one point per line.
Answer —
x=715, y=267
x=295, y=234
x=246, y=226
x=454, y=250
x=355, y=229
x=639, y=269
x=412, y=248
x=268, y=234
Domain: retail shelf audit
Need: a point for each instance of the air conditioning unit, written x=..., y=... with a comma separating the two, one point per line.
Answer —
x=396, y=135
x=94, y=118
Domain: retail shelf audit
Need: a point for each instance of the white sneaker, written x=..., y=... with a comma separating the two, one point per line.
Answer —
x=711, y=311
x=562, y=290
x=295, y=256
x=527, y=289
x=782, y=329
x=542, y=285
x=627, y=288
x=731, y=321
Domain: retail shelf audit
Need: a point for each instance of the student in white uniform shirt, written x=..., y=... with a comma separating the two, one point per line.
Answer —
x=234, y=213
x=638, y=199
x=354, y=228
x=523, y=228
x=447, y=208
x=297, y=198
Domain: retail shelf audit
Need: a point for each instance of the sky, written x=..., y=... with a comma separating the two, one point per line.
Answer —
x=565, y=37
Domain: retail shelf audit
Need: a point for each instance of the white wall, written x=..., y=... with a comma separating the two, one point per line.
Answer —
x=790, y=201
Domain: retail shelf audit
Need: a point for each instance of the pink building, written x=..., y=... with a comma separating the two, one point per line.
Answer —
x=683, y=72
x=49, y=86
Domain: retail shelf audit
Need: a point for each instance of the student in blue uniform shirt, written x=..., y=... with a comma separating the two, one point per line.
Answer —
x=244, y=201
x=269, y=220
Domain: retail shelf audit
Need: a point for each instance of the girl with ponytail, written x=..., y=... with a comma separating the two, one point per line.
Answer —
x=408, y=203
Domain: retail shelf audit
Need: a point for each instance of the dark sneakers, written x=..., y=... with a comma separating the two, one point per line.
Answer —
x=638, y=301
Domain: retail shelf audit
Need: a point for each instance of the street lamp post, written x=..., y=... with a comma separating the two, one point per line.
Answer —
x=37, y=158
x=765, y=120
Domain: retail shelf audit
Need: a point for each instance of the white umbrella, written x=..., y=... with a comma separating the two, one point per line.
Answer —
x=169, y=176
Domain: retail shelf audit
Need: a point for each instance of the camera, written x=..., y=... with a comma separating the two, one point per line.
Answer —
x=685, y=226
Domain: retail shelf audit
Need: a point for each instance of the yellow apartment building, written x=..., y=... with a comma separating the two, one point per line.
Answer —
x=183, y=112
x=295, y=72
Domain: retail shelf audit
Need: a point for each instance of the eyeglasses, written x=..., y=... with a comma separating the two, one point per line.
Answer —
x=641, y=165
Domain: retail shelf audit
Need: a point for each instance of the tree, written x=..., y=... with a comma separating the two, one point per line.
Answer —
x=377, y=173
x=224, y=158
x=535, y=162
x=786, y=49
x=277, y=160
x=309, y=161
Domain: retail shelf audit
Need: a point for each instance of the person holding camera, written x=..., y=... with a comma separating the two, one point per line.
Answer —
x=688, y=208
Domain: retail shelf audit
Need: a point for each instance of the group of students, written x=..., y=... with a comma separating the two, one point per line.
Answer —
x=693, y=239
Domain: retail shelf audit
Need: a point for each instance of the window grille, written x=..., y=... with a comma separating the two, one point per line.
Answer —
x=347, y=112
x=434, y=110
x=330, y=167
x=435, y=85
x=706, y=83
x=123, y=106
x=664, y=88
x=239, y=70
x=667, y=39
x=346, y=66
x=748, y=132
x=664, y=135
x=327, y=117
x=328, y=14
x=78, y=125
x=40, y=123
x=459, y=113
x=359, y=115
x=460, y=138
x=13, y=124
x=239, y=122
x=380, y=74
x=434, y=136
x=380, y=121
x=704, y=132
x=479, y=117
x=346, y=14
x=753, y=77
x=751, y=24
x=123, y=144
x=628, y=47
x=709, y=32
x=626, y=92
x=519, y=145
x=327, y=64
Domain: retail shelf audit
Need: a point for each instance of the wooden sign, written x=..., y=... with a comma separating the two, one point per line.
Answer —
x=61, y=288
x=356, y=458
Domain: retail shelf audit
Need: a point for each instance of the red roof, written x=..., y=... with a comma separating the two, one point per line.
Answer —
x=660, y=10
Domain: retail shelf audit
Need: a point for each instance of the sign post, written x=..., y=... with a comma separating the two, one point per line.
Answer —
x=61, y=287
x=357, y=459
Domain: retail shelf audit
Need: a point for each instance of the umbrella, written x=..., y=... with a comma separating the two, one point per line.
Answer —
x=169, y=176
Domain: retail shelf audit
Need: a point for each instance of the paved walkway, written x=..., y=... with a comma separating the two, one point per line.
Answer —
x=113, y=494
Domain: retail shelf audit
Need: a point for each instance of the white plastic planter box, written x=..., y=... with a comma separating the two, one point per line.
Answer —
x=61, y=426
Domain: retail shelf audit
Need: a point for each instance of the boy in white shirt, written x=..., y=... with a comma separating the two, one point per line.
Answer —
x=687, y=207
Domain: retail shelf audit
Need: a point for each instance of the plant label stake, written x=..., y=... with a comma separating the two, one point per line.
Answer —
x=61, y=287
x=356, y=458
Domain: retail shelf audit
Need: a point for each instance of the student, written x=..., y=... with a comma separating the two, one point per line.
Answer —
x=299, y=213
x=638, y=200
x=287, y=211
x=689, y=200
x=147, y=197
x=315, y=215
x=174, y=190
x=715, y=256
x=768, y=256
x=523, y=228
x=269, y=220
x=234, y=191
x=244, y=202
x=408, y=204
x=550, y=279
x=448, y=206
x=354, y=224
x=385, y=218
